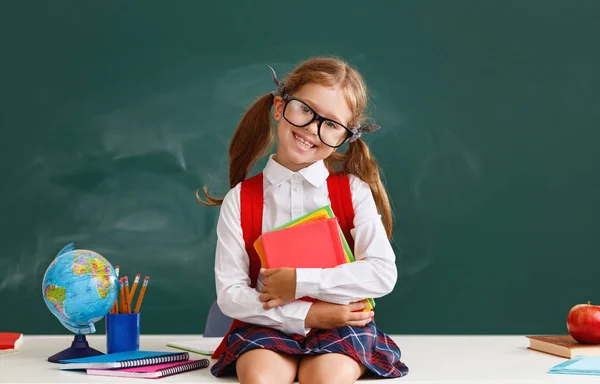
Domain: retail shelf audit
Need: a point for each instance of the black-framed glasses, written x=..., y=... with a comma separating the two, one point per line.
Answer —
x=299, y=114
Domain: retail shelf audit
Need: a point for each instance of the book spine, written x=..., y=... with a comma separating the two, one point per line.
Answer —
x=203, y=363
x=154, y=360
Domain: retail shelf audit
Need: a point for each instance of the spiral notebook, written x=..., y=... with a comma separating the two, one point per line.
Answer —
x=153, y=371
x=124, y=360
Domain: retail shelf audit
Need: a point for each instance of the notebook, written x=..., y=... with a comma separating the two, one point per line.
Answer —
x=579, y=365
x=562, y=345
x=203, y=345
x=123, y=360
x=10, y=342
x=156, y=371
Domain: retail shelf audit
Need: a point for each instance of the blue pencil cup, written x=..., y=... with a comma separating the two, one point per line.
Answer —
x=122, y=332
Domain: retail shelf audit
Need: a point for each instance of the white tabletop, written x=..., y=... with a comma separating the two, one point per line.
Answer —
x=431, y=359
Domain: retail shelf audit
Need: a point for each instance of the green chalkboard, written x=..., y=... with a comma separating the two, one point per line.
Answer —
x=113, y=113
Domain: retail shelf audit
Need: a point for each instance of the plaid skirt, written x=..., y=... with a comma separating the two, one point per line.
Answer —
x=367, y=345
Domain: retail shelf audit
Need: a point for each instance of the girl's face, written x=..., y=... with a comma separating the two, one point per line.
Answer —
x=299, y=147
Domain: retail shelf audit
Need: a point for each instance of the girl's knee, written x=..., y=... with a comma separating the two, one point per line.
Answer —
x=334, y=375
x=261, y=366
x=329, y=368
x=258, y=376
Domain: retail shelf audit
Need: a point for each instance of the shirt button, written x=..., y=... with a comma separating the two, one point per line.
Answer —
x=296, y=189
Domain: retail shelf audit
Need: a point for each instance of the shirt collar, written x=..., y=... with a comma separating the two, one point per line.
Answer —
x=315, y=174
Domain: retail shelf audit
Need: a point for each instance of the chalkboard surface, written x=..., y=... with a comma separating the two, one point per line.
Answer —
x=113, y=113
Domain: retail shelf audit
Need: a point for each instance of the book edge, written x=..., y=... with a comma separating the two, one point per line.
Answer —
x=196, y=351
x=16, y=338
x=537, y=343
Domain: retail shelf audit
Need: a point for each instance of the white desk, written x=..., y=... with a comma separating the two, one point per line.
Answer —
x=431, y=359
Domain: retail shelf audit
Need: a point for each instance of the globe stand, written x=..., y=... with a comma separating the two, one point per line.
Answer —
x=79, y=348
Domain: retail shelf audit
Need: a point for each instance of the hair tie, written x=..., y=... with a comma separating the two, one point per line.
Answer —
x=280, y=86
x=365, y=128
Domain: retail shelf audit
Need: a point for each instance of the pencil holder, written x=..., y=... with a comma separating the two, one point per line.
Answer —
x=122, y=332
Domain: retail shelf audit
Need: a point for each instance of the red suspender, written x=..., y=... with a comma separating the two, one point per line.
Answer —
x=251, y=211
x=340, y=196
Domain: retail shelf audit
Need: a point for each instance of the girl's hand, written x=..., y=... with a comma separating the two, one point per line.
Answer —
x=323, y=315
x=279, y=286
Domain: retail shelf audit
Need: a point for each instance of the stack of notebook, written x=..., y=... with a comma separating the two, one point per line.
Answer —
x=136, y=364
x=314, y=240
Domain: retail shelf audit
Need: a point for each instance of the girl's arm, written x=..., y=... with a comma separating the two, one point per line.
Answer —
x=372, y=275
x=235, y=297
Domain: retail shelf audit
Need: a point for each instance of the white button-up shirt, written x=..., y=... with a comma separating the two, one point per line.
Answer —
x=287, y=196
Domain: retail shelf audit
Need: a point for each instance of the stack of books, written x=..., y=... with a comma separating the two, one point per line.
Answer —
x=562, y=345
x=136, y=364
x=314, y=240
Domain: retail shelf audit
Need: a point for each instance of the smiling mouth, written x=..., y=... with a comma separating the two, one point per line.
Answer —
x=303, y=142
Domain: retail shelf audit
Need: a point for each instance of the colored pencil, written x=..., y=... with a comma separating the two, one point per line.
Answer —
x=141, y=296
x=122, y=296
x=115, y=307
x=126, y=294
x=134, y=287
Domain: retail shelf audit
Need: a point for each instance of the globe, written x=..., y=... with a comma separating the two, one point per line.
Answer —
x=79, y=288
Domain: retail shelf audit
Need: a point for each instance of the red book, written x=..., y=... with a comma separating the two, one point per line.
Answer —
x=314, y=244
x=10, y=340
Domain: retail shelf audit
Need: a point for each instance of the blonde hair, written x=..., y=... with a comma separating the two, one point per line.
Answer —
x=254, y=136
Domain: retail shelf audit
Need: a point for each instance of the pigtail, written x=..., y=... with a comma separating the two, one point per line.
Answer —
x=359, y=161
x=252, y=140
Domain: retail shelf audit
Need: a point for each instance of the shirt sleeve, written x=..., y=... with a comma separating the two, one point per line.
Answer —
x=372, y=275
x=235, y=297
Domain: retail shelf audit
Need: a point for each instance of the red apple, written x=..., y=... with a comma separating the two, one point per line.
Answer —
x=583, y=323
